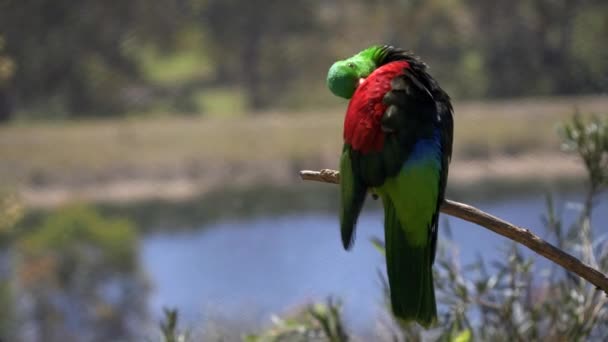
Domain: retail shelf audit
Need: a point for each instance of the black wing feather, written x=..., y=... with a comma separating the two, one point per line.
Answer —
x=416, y=106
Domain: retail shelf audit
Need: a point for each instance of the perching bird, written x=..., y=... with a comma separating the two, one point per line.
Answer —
x=398, y=134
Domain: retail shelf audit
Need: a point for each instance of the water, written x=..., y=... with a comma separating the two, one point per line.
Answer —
x=250, y=269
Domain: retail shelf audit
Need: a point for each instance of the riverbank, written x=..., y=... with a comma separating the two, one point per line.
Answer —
x=545, y=169
x=184, y=158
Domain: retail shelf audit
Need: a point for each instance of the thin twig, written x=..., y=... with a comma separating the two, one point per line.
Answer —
x=498, y=226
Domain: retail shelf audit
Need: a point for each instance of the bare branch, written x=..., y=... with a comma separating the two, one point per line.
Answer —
x=498, y=226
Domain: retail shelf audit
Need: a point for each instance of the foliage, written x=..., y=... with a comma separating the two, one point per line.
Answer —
x=64, y=234
x=7, y=318
x=543, y=46
x=116, y=58
x=515, y=298
x=168, y=327
x=7, y=70
x=590, y=142
x=316, y=322
x=7, y=66
x=258, y=47
x=508, y=300
x=11, y=212
x=320, y=322
x=73, y=57
x=78, y=261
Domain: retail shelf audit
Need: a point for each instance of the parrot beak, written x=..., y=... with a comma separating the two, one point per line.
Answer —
x=361, y=80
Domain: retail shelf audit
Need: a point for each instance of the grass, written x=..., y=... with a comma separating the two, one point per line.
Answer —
x=161, y=147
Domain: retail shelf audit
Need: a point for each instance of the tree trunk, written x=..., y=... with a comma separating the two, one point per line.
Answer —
x=6, y=109
x=5, y=106
x=251, y=62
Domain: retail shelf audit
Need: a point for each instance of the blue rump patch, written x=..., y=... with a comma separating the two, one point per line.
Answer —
x=428, y=149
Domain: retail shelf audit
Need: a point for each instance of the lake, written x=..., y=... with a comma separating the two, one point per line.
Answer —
x=247, y=270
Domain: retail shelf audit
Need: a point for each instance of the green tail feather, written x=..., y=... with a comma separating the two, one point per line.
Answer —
x=409, y=271
x=352, y=196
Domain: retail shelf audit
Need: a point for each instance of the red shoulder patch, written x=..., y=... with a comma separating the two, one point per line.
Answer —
x=362, y=122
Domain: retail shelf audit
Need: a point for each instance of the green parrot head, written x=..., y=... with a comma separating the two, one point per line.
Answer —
x=344, y=76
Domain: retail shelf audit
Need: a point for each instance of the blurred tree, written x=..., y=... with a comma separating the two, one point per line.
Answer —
x=78, y=278
x=440, y=32
x=530, y=47
x=7, y=69
x=11, y=212
x=92, y=57
x=262, y=45
x=71, y=57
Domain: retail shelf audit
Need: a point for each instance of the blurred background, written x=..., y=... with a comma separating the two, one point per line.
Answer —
x=149, y=151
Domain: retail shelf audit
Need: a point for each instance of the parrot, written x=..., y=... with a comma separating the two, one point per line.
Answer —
x=398, y=132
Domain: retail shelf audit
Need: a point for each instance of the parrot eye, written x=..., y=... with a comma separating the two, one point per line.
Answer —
x=351, y=65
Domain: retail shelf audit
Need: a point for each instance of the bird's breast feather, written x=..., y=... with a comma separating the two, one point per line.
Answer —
x=362, y=124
